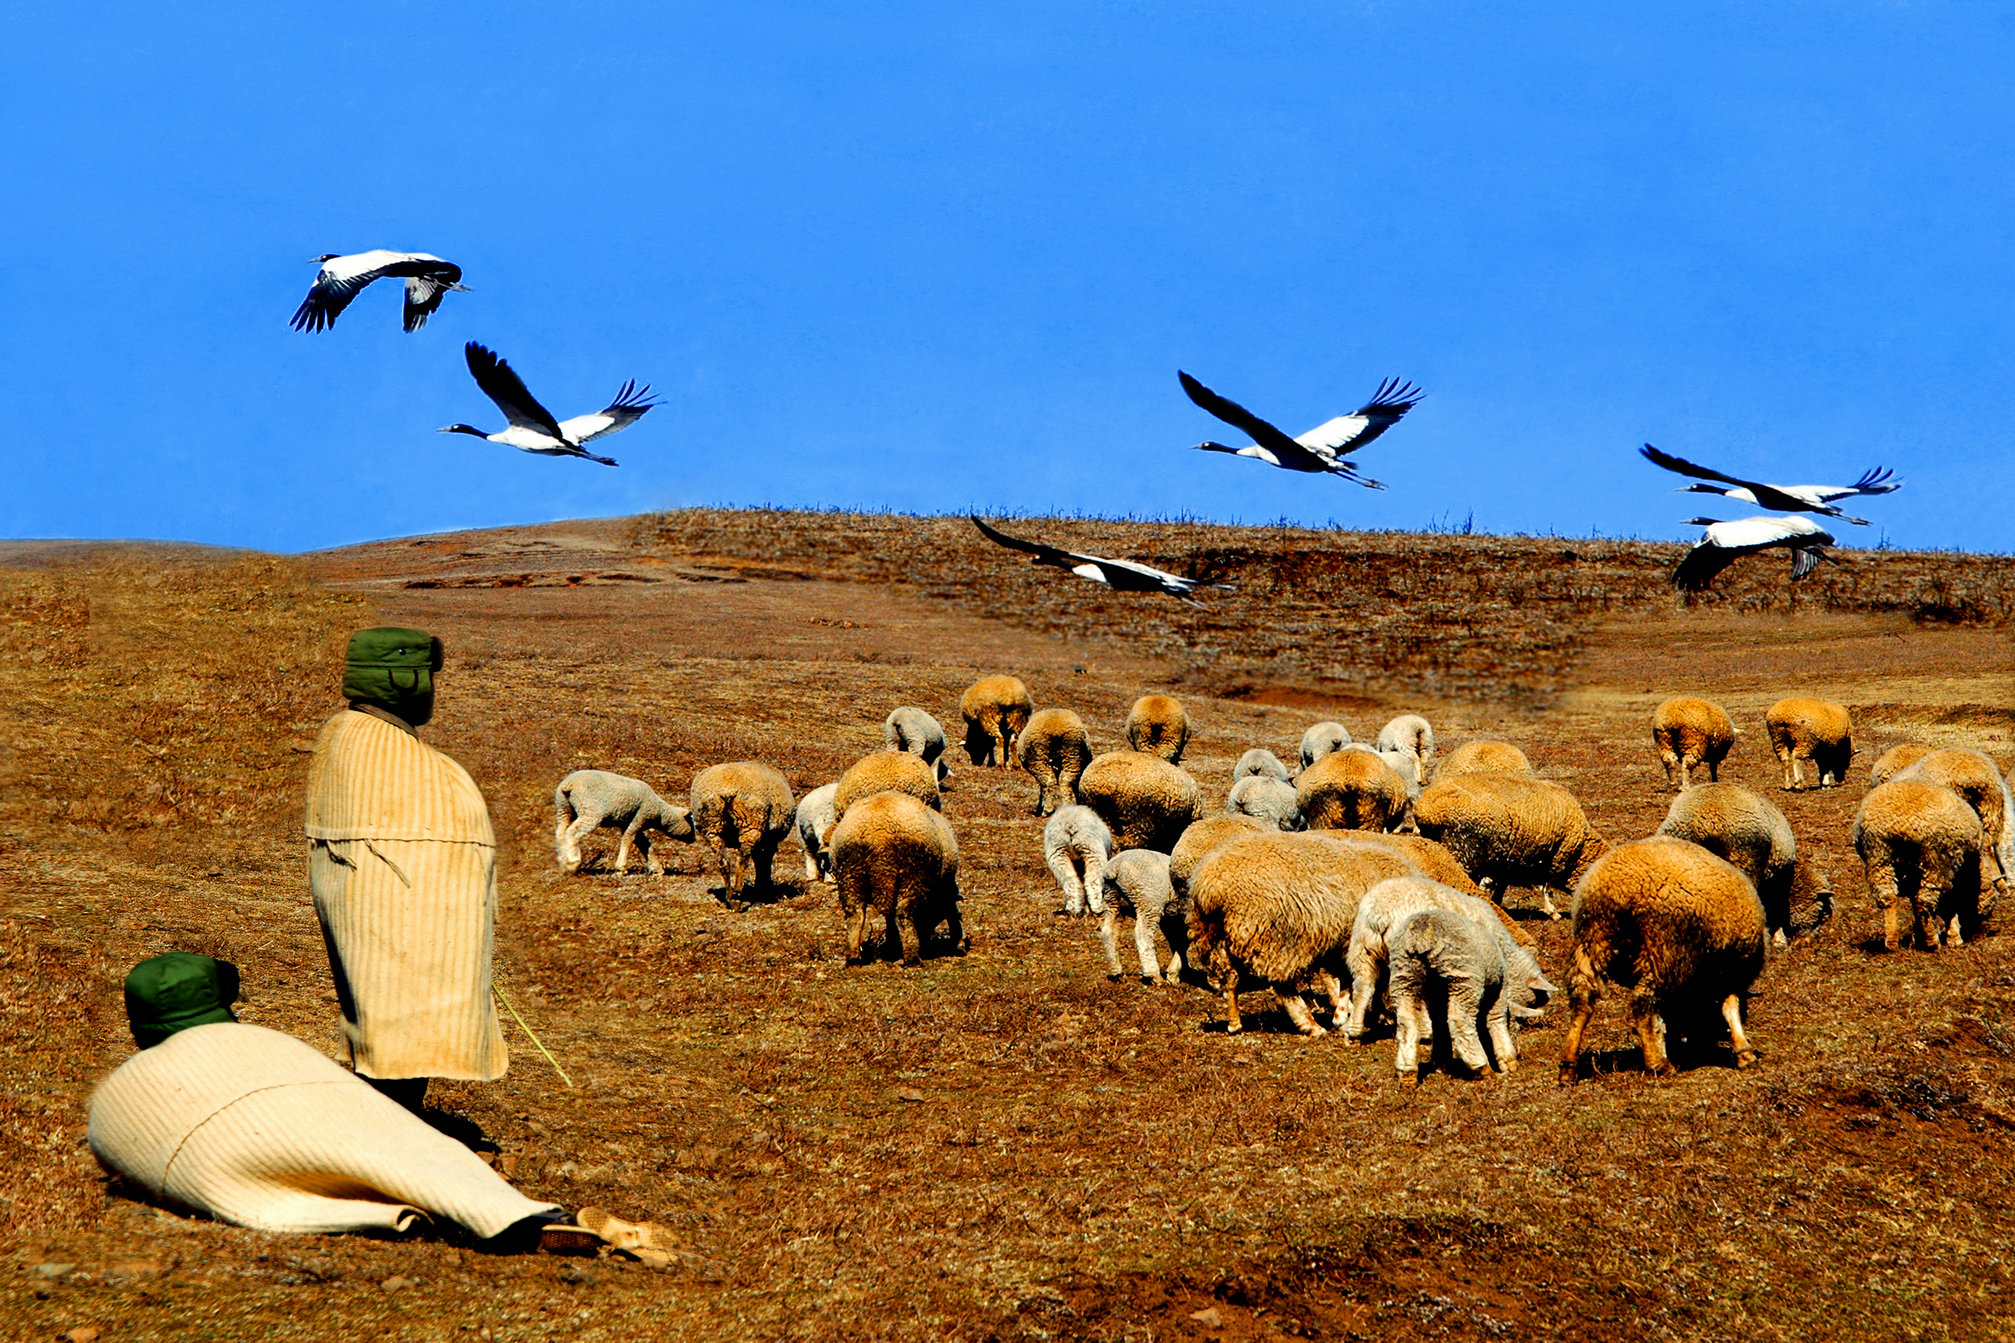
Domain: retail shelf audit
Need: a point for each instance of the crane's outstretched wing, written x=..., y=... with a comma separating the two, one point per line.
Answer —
x=1877, y=481
x=501, y=383
x=1238, y=417
x=336, y=285
x=630, y=405
x=1347, y=433
x=424, y=292
x=1701, y=564
x=1686, y=468
x=1044, y=554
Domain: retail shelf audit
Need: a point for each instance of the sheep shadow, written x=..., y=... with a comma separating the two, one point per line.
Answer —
x=1686, y=1056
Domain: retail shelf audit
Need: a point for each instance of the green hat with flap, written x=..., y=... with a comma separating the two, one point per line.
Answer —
x=393, y=668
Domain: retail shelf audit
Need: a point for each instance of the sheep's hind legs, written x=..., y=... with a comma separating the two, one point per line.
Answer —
x=1731, y=1012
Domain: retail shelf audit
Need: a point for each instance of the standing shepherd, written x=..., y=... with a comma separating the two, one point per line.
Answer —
x=403, y=864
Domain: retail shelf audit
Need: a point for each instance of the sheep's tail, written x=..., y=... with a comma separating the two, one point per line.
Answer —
x=563, y=804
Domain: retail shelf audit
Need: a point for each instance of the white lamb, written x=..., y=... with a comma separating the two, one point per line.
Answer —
x=1271, y=800
x=1076, y=845
x=915, y=731
x=1137, y=883
x=1321, y=739
x=1260, y=763
x=1392, y=902
x=593, y=799
x=815, y=817
x=1407, y=744
x=1439, y=948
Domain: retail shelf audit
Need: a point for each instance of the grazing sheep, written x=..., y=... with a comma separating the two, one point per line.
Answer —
x=742, y=810
x=1974, y=777
x=593, y=799
x=1437, y=949
x=1407, y=744
x=1922, y=844
x=1680, y=928
x=916, y=732
x=1260, y=763
x=1689, y=732
x=1156, y=725
x=1894, y=761
x=893, y=854
x=1321, y=739
x=996, y=709
x=1816, y=730
x=1144, y=799
x=1389, y=904
x=1433, y=861
x=1484, y=757
x=1076, y=845
x=1200, y=838
x=1350, y=790
x=1137, y=884
x=1744, y=827
x=1507, y=830
x=1269, y=799
x=1279, y=908
x=1054, y=749
x=816, y=815
x=885, y=772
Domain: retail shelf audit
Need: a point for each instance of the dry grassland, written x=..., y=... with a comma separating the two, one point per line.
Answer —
x=1002, y=1145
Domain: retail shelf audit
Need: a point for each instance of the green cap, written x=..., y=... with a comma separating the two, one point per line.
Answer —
x=173, y=992
x=394, y=668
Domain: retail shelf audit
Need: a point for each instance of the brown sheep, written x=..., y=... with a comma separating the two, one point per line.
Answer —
x=1054, y=749
x=1202, y=837
x=1483, y=757
x=1279, y=908
x=1894, y=761
x=1974, y=777
x=1689, y=732
x=1350, y=790
x=996, y=709
x=894, y=855
x=1156, y=725
x=1818, y=730
x=1434, y=860
x=1744, y=827
x=1507, y=830
x=1920, y=843
x=1146, y=801
x=883, y=772
x=1678, y=927
x=742, y=810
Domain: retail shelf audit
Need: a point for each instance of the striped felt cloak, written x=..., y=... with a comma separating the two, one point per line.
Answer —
x=403, y=865
x=254, y=1127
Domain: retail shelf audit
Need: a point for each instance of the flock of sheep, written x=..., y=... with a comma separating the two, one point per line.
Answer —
x=1352, y=885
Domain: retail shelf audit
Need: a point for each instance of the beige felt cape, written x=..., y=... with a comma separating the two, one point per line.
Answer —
x=254, y=1127
x=403, y=865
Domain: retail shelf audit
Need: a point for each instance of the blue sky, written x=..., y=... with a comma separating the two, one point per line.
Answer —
x=932, y=258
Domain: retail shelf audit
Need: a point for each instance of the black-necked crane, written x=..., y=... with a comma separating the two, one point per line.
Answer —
x=344, y=277
x=1324, y=448
x=531, y=426
x=1119, y=575
x=1726, y=542
x=1821, y=499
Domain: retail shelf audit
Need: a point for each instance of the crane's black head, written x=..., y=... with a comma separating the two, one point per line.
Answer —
x=1699, y=487
x=321, y=259
x=1208, y=446
x=461, y=429
x=1701, y=522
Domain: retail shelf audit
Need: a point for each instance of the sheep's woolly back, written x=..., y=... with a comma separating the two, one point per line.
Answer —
x=1513, y=830
x=1666, y=917
x=1916, y=834
x=740, y=803
x=1433, y=860
x=612, y=799
x=1271, y=800
x=1809, y=725
x=1075, y=829
x=997, y=703
x=1391, y=901
x=1694, y=729
x=1157, y=725
x=891, y=851
x=1917, y=812
x=1973, y=777
x=1321, y=739
x=1742, y=826
x=1054, y=749
x=886, y=772
x=1204, y=836
x=1260, y=763
x=1144, y=799
x=1410, y=734
x=1350, y=790
x=917, y=732
x=1895, y=760
x=1280, y=904
x=1140, y=878
x=1483, y=757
